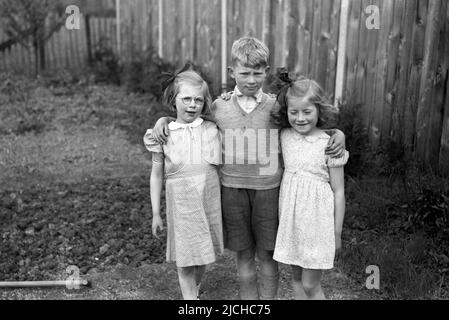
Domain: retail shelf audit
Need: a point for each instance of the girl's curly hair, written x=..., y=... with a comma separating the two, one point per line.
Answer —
x=306, y=89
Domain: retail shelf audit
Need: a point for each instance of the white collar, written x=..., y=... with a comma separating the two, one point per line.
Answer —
x=257, y=96
x=314, y=138
x=176, y=125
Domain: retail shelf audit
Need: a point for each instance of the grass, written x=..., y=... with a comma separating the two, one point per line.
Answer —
x=376, y=234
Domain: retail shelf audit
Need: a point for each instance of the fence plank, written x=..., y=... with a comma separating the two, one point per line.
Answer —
x=393, y=64
x=425, y=144
x=381, y=123
x=352, y=49
x=316, y=43
x=334, y=32
x=442, y=90
x=324, y=45
x=402, y=125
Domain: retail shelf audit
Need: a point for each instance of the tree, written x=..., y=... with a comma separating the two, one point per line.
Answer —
x=31, y=23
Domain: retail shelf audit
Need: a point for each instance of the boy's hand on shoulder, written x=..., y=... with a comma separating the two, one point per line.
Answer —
x=226, y=96
x=160, y=131
x=337, y=145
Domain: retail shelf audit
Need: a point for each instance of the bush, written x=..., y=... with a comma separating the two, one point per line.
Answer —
x=431, y=212
x=105, y=64
x=387, y=159
x=20, y=114
x=142, y=72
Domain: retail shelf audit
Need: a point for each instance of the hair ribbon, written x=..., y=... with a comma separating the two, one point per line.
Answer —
x=167, y=78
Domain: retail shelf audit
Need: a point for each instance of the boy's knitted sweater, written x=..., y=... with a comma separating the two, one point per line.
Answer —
x=250, y=144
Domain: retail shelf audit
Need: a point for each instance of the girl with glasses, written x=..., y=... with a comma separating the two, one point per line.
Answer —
x=188, y=163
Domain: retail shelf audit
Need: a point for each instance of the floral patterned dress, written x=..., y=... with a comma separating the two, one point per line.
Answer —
x=306, y=202
x=192, y=189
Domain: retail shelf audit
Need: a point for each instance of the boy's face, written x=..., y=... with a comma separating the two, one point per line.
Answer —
x=248, y=80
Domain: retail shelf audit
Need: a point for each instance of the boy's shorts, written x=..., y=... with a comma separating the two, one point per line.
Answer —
x=250, y=218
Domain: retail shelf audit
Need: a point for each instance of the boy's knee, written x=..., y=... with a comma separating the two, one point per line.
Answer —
x=265, y=255
x=246, y=255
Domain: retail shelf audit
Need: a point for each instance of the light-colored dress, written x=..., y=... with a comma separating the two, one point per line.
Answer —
x=306, y=202
x=192, y=189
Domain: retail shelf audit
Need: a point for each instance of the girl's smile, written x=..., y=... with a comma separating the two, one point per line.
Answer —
x=189, y=103
x=302, y=115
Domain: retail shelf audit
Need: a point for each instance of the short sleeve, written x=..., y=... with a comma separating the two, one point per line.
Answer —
x=212, y=140
x=338, y=162
x=150, y=143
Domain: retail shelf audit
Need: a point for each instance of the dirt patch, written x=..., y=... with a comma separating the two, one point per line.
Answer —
x=160, y=282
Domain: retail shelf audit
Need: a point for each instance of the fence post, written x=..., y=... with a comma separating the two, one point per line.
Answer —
x=425, y=147
x=88, y=39
x=341, y=52
x=224, y=40
x=444, y=149
x=161, y=24
x=118, y=17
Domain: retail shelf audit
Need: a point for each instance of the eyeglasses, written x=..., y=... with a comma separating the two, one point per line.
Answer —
x=188, y=101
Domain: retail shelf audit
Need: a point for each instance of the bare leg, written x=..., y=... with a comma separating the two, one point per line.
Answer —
x=268, y=275
x=311, y=282
x=246, y=267
x=187, y=282
x=298, y=290
x=199, y=273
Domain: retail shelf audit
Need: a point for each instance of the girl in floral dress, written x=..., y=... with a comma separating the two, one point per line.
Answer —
x=312, y=200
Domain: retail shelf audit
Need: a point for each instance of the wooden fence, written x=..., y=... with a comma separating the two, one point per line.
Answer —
x=398, y=74
x=66, y=49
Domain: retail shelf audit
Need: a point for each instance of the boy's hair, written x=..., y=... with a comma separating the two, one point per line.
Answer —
x=250, y=52
x=308, y=90
x=186, y=77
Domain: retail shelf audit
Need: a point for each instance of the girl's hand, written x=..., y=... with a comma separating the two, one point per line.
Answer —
x=160, y=130
x=337, y=246
x=157, y=223
x=336, y=146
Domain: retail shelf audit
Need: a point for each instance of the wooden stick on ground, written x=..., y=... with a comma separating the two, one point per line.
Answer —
x=70, y=284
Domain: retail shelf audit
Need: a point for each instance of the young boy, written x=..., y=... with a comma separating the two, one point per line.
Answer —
x=250, y=183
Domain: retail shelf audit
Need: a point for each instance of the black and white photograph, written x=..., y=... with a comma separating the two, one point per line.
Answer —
x=224, y=150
